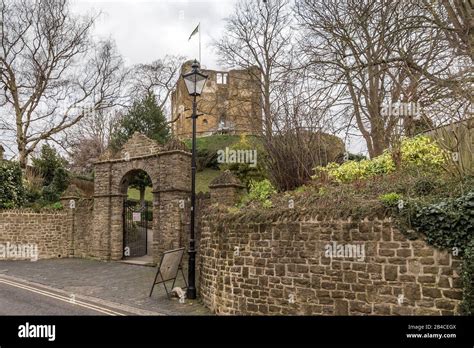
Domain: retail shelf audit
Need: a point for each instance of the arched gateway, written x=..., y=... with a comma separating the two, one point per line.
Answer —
x=169, y=169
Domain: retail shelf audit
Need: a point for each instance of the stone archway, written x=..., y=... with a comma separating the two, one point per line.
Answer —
x=168, y=167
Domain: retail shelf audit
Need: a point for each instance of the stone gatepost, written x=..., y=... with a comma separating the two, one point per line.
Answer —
x=226, y=189
x=171, y=196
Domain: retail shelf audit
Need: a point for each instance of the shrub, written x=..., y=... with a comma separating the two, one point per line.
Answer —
x=12, y=192
x=356, y=157
x=260, y=191
x=390, y=199
x=206, y=159
x=244, y=171
x=56, y=206
x=447, y=224
x=47, y=163
x=207, y=148
x=60, y=180
x=357, y=170
x=422, y=153
x=423, y=186
x=419, y=153
x=52, y=192
x=33, y=184
x=50, y=165
x=292, y=153
x=467, y=276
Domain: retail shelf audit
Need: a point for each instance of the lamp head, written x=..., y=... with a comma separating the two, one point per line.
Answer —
x=195, y=80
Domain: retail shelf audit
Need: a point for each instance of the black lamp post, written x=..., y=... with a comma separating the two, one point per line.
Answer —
x=195, y=81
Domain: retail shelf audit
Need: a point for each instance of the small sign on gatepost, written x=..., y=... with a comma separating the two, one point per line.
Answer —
x=72, y=204
x=136, y=217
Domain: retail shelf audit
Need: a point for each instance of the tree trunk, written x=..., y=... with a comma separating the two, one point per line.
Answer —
x=142, y=195
x=22, y=157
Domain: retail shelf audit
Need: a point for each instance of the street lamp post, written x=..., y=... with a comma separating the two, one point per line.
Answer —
x=195, y=81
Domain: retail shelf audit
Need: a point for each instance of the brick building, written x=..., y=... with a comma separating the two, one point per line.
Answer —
x=229, y=104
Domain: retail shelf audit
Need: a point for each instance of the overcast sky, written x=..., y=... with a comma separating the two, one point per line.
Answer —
x=148, y=30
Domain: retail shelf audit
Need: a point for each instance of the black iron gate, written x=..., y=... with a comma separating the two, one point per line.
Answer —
x=135, y=228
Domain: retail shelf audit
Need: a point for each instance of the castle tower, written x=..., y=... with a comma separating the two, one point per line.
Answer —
x=229, y=104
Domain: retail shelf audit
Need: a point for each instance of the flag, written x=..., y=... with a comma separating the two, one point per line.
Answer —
x=195, y=31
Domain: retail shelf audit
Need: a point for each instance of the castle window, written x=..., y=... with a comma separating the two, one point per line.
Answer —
x=204, y=122
x=221, y=78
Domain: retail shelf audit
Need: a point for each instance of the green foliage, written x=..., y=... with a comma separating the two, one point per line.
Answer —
x=214, y=142
x=260, y=192
x=206, y=159
x=302, y=188
x=448, y=224
x=390, y=199
x=467, y=276
x=244, y=171
x=52, y=192
x=141, y=181
x=46, y=164
x=50, y=166
x=146, y=117
x=12, y=192
x=207, y=148
x=56, y=206
x=60, y=180
x=420, y=154
x=204, y=178
x=356, y=157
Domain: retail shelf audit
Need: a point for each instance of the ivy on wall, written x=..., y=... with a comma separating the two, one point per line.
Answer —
x=12, y=193
x=448, y=224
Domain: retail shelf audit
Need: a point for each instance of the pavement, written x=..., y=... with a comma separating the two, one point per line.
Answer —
x=122, y=288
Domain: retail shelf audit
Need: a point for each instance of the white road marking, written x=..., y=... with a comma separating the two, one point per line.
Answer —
x=60, y=297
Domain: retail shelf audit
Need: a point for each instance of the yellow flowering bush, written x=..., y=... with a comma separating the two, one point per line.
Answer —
x=419, y=152
x=422, y=152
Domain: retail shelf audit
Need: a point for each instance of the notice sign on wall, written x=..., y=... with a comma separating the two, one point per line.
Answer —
x=137, y=217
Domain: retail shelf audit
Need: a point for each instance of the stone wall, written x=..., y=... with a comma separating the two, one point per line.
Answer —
x=47, y=229
x=79, y=221
x=91, y=224
x=284, y=267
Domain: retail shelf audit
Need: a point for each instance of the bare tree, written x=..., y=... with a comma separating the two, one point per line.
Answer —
x=159, y=77
x=84, y=154
x=455, y=18
x=295, y=140
x=380, y=53
x=258, y=34
x=87, y=140
x=302, y=130
x=51, y=72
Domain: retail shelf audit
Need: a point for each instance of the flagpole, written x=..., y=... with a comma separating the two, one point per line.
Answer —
x=200, y=61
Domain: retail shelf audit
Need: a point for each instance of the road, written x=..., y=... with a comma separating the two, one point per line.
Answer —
x=18, y=298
